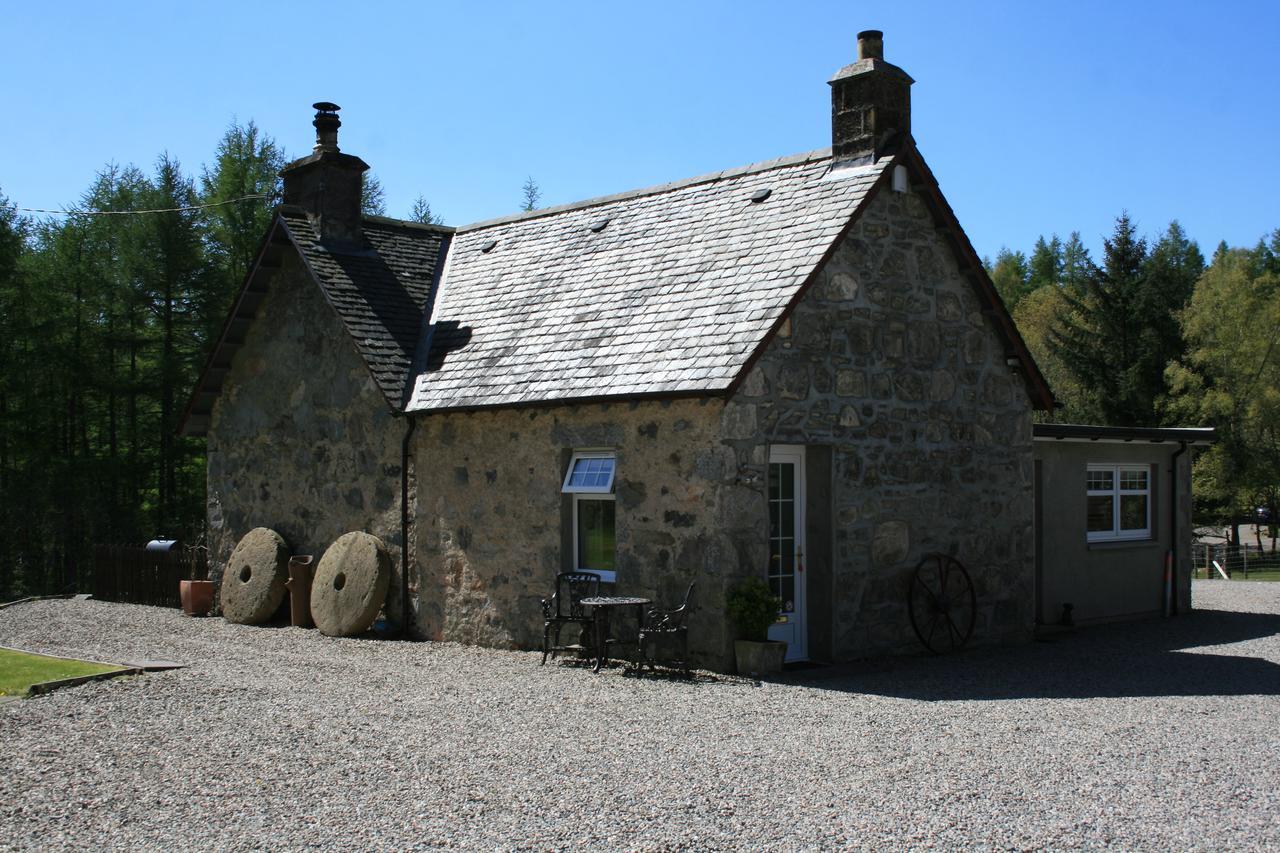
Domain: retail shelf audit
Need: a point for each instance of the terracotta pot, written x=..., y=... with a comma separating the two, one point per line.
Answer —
x=755, y=658
x=197, y=597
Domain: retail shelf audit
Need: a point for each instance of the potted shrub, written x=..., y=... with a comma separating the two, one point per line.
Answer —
x=752, y=608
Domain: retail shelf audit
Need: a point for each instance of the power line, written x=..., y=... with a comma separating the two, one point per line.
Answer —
x=136, y=212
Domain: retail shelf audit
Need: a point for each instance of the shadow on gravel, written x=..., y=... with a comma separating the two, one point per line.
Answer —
x=1125, y=660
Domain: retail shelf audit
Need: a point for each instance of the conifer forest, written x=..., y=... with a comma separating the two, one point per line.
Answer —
x=106, y=318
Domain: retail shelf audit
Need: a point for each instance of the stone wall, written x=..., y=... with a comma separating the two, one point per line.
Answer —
x=492, y=525
x=887, y=370
x=889, y=361
x=301, y=439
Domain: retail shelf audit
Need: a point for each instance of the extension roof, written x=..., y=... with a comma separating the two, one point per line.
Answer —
x=663, y=292
x=1197, y=436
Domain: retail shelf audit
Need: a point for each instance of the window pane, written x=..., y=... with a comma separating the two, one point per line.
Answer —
x=773, y=481
x=595, y=535
x=1099, y=513
x=1133, y=512
x=591, y=472
x=788, y=594
x=1099, y=480
x=786, y=555
x=787, y=521
x=787, y=478
x=1133, y=479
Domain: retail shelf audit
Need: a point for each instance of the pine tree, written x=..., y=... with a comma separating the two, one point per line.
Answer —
x=13, y=231
x=247, y=162
x=1100, y=336
x=1045, y=267
x=1077, y=266
x=177, y=277
x=421, y=212
x=532, y=195
x=1170, y=275
x=373, y=201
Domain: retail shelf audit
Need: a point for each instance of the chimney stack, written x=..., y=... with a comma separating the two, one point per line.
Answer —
x=327, y=184
x=870, y=105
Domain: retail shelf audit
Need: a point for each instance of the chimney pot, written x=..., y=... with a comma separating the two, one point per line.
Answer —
x=327, y=184
x=870, y=44
x=326, y=124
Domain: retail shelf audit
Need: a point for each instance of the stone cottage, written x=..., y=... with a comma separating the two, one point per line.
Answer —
x=796, y=369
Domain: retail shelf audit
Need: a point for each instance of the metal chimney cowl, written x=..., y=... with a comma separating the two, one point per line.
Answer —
x=327, y=184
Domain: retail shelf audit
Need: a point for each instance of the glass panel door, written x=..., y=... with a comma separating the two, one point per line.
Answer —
x=785, y=572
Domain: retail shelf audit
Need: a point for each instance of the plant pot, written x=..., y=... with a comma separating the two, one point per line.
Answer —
x=197, y=597
x=756, y=658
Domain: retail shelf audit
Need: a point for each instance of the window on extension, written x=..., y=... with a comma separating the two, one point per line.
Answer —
x=1119, y=502
x=590, y=481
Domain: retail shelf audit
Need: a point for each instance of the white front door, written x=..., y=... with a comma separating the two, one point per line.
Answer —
x=786, y=547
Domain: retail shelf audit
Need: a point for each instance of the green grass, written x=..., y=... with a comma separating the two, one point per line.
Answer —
x=19, y=670
x=1268, y=575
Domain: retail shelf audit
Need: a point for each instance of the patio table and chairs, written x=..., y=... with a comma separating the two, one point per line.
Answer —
x=577, y=602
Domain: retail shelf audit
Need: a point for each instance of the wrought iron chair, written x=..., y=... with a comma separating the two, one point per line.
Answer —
x=565, y=608
x=669, y=629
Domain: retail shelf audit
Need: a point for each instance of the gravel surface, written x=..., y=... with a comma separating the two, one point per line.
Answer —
x=1160, y=734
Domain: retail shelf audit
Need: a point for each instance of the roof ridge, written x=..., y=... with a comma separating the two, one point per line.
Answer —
x=813, y=156
x=407, y=223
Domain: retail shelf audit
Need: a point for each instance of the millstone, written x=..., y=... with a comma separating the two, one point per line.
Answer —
x=350, y=585
x=253, y=584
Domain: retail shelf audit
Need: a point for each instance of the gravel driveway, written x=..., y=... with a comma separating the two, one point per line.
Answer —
x=1161, y=734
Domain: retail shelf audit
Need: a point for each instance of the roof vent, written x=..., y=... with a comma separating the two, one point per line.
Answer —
x=488, y=246
x=600, y=224
x=760, y=195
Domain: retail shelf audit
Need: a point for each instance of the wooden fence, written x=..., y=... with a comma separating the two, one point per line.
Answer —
x=134, y=575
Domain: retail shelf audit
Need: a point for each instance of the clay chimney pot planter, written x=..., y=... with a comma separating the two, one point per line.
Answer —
x=197, y=597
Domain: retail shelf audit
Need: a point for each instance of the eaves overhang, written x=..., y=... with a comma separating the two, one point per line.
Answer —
x=1191, y=436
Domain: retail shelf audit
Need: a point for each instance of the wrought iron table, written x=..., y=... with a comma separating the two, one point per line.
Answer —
x=600, y=607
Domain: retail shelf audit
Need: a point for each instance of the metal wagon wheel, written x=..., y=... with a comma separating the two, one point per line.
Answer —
x=942, y=603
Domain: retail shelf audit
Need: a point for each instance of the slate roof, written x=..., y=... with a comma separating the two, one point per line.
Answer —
x=660, y=292
x=673, y=295
x=380, y=293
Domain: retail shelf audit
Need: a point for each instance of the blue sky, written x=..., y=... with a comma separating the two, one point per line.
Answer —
x=1037, y=117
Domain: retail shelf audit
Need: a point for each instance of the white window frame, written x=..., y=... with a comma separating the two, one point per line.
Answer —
x=1116, y=492
x=590, y=490
x=591, y=493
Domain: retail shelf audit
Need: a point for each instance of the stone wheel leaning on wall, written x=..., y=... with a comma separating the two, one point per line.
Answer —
x=350, y=585
x=253, y=583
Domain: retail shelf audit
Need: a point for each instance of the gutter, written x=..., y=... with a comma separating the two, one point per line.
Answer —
x=1171, y=590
